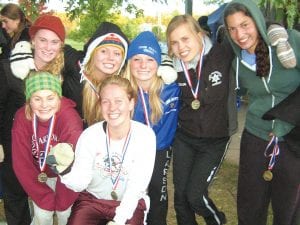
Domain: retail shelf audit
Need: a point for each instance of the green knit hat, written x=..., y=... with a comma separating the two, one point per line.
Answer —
x=37, y=81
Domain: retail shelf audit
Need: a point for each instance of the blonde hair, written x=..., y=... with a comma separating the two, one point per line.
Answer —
x=90, y=107
x=56, y=65
x=155, y=102
x=121, y=82
x=176, y=21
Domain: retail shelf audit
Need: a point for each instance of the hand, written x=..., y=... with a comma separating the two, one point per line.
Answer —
x=60, y=158
x=1, y=153
x=166, y=70
x=278, y=37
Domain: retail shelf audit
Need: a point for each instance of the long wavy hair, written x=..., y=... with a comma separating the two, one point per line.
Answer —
x=261, y=50
x=90, y=106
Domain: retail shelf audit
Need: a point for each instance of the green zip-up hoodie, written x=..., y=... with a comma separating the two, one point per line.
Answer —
x=265, y=93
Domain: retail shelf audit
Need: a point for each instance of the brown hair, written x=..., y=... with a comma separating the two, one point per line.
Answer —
x=261, y=49
x=14, y=12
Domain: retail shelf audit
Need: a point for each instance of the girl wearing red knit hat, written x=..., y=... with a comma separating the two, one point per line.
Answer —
x=47, y=38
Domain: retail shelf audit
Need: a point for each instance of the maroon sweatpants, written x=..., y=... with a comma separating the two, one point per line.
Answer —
x=92, y=211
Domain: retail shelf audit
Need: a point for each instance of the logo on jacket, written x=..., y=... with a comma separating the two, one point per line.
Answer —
x=215, y=78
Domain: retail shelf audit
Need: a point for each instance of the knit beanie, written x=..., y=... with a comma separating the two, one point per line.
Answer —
x=48, y=22
x=37, y=81
x=112, y=40
x=147, y=44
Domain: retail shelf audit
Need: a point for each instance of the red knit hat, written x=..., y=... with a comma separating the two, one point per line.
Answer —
x=48, y=22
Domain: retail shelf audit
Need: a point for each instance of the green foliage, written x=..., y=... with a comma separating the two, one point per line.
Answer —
x=285, y=11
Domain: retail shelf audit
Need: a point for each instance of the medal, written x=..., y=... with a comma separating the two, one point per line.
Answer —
x=268, y=175
x=114, y=195
x=42, y=177
x=195, y=104
x=115, y=174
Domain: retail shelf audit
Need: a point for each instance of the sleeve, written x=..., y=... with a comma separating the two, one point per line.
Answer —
x=82, y=169
x=167, y=125
x=287, y=110
x=24, y=167
x=139, y=178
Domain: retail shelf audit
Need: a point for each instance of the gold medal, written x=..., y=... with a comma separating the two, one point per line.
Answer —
x=268, y=175
x=42, y=177
x=195, y=104
x=114, y=195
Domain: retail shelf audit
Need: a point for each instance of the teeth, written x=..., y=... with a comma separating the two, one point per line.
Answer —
x=185, y=53
x=113, y=116
x=110, y=66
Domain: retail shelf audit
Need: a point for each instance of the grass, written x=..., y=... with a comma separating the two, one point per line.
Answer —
x=222, y=191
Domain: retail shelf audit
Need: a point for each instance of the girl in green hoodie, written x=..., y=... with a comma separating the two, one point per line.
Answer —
x=269, y=171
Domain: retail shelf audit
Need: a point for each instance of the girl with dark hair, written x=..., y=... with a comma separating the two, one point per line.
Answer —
x=269, y=169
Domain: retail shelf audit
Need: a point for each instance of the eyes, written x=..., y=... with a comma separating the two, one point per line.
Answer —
x=243, y=26
x=107, y=102
x=115, y=52
x=38, y=99
x=183, y=40
x=44, y=41
x=139, y=59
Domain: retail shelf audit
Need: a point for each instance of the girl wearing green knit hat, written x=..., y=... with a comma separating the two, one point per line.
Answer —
x=47, y=119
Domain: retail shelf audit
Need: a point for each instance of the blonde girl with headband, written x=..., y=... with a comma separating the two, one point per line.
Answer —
x=207, y=118
x=46, y=120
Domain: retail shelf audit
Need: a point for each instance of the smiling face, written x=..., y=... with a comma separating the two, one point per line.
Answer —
x=243, y=31
x=107, y=60
x=116, y=106
x=185, y=43
x=47, y=46
x=44, y=103
x=143, y=68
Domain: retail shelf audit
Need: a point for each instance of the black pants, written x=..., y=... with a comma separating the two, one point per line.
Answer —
x=255, y=194
x=157, y=189
x=196, y=161
x=15, y=199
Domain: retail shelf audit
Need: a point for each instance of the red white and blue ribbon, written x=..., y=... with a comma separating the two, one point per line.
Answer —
x=124, y=150
x=146, y=114
x=43, y=154
x=275, y=151
x=187, y=75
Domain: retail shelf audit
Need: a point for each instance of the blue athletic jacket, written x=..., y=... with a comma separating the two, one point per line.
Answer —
x=166, y=126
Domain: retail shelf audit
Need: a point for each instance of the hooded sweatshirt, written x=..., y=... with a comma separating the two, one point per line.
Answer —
x=75, y=61
x=67, y=128
x=265, y=93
